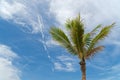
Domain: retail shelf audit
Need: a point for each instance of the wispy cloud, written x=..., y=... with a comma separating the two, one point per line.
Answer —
x=112, y=73
x=9, y=9
x=7, y=70
x=24, y=13
x=65, y=63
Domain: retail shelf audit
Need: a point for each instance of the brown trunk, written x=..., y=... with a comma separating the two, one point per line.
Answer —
x=83, y=69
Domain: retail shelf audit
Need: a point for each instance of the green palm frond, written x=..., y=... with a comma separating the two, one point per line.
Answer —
x=59, y=36
x=95, y=29
x=69, y=24
x=93, y=52
x=100, y=36
x=88, y=36
x=87, y=39
x=76, y=33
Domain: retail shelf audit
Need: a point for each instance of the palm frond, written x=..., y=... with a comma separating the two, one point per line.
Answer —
x=103, y=33
x=59, y=36
x=100, y=36
x=88, y=36
x=95, y=29
x=76, y=33
x=94, y=51
x=87, y=39
x=68, y=24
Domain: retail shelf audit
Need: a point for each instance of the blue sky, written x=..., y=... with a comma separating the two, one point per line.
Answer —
x=27, y=51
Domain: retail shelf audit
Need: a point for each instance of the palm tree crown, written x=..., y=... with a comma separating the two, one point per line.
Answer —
x=78, y=42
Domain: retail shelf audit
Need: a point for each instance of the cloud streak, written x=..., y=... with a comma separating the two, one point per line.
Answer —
x=7, y=70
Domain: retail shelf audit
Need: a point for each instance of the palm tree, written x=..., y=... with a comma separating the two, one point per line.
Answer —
x=84, y=45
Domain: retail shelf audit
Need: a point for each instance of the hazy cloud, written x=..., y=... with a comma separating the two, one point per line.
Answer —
x=7, y=70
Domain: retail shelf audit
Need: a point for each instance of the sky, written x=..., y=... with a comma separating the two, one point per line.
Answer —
x=27, y=51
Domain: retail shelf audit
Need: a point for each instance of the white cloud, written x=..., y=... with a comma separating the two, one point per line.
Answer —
x=65, y=63
x=8, y=10
x=6, y=52
x=64, y=9
x=51, y=42
x=64, y=67
x=65, y=58
x=7, y=70
x=92, y=11
x=22, y=12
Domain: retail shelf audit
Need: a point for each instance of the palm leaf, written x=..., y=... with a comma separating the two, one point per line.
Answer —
x=100, y=36
x=68, y=24
x=88, y=36
x=87, y=39
x=76, y=33
x=96, y=28
x=59, y=36
x=94, y=51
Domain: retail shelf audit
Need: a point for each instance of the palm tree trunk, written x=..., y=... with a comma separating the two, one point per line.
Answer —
x=83, y=69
